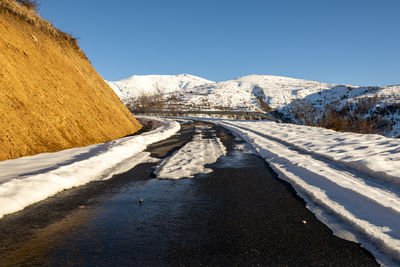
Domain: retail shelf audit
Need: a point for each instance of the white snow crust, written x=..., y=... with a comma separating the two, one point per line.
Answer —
x=351, y=181
x=192, y=158
x=27, y=180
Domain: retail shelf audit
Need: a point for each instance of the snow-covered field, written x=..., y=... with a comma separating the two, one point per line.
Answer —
x=245, y=93
x=27, y=180
x=350, y=181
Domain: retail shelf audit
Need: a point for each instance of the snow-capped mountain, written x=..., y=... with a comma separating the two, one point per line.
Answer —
x=136, y=85
x=242, y=93
x=266, y=92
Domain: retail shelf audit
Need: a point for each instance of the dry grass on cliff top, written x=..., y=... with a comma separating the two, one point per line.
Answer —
x=29, y=15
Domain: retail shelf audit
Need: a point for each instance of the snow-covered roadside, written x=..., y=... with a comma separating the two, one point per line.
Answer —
x=374, y=155
x=27, y=180
x=352, y=180
x=192, y=158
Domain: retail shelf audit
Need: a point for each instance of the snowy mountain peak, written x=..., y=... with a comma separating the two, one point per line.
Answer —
x=164, y=77
x=150, y=84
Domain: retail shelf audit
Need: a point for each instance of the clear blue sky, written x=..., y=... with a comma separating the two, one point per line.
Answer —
x=337, y=41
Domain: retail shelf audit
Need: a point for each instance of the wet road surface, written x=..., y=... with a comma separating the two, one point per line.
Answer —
x=240, y=214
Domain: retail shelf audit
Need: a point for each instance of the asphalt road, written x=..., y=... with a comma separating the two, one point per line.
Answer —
x=240, y=214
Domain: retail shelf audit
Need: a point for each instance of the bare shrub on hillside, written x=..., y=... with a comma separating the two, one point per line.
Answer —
x=30, y=4
x=363, y=115
x=279, y=115
x=146, y=101
x=304, y=112
x=360, y=116
x=173, y=97
x=25, y=10
x=222, y=108
x=172, y=102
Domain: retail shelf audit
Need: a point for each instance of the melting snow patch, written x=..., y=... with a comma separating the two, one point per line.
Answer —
x=192, y=158
x=245, y=148
x=27, y=180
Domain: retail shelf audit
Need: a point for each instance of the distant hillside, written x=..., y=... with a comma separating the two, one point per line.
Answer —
x=51, y=98
x=136, y=85
x=365, y=109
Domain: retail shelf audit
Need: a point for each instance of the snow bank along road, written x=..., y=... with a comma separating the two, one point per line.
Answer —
x=235, y=213
x=351, y=181
x=27, y=180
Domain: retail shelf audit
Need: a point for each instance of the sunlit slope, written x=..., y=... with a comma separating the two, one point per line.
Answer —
x=51, y=98
x=137, y=85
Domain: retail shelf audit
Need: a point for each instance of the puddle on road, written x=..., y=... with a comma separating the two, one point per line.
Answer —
x=240, y=157
x=123, y=230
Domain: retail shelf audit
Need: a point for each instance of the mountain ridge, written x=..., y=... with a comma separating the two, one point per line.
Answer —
x=285, y=95
x=135, y=85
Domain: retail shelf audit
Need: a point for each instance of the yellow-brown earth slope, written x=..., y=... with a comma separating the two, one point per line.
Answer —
x=51, y=98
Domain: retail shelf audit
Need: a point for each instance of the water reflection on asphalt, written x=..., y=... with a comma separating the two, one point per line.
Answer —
x=123, y=230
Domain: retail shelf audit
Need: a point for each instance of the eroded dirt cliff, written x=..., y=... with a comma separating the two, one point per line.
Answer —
x=51, y=98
